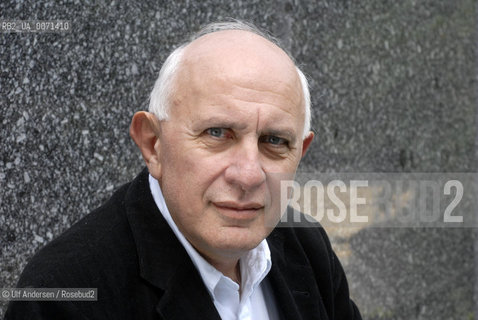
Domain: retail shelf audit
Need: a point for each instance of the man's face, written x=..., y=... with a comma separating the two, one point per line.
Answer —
x=237, y=116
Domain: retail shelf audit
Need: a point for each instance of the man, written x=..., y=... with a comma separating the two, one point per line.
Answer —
x=191, y=237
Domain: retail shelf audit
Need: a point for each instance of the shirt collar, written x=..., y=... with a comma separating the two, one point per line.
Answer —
x=255, y=264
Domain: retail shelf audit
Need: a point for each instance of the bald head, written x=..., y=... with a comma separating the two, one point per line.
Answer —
x=229, y=51
x=238, y=47
x=244, y=59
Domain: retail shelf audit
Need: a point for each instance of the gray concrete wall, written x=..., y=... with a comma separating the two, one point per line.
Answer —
x=393, y=88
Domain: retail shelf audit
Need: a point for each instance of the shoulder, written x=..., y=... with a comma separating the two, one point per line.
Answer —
x=97, y=241
x=96, y=252
x=298, y=240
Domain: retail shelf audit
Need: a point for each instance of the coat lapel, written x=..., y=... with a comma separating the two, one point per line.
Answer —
x=163, y=262
x=292, y=281
x=186, y=297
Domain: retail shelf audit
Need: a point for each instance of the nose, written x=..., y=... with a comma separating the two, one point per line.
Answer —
x=245, y=169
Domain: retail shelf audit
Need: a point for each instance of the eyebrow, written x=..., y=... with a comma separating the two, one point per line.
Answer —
x=219, y=122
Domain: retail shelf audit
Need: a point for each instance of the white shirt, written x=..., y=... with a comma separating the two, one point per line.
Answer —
x=256, y=301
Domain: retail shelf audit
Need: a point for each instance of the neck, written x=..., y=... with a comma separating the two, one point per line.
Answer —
x=230, y=269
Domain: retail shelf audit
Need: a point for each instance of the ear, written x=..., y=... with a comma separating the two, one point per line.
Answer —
x=306, y=142
x=145, y=130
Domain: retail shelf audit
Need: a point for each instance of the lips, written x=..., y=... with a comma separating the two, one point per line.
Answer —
x=239, y=211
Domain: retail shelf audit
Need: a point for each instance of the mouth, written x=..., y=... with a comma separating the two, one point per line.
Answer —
x=239, y=211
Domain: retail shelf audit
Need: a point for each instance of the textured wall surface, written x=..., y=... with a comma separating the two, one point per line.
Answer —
x=393, y=89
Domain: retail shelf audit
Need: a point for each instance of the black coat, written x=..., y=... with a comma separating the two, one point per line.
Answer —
x=127, y=250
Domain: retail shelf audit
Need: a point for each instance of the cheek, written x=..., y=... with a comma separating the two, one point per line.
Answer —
x=187, y=173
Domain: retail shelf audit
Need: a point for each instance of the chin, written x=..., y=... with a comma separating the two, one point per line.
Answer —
x=241, y=239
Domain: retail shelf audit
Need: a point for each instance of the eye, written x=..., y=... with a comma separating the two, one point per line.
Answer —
x=218, y=132
x=274, y=140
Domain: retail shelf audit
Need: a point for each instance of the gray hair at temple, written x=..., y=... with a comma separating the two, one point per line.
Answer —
x=160, y=95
